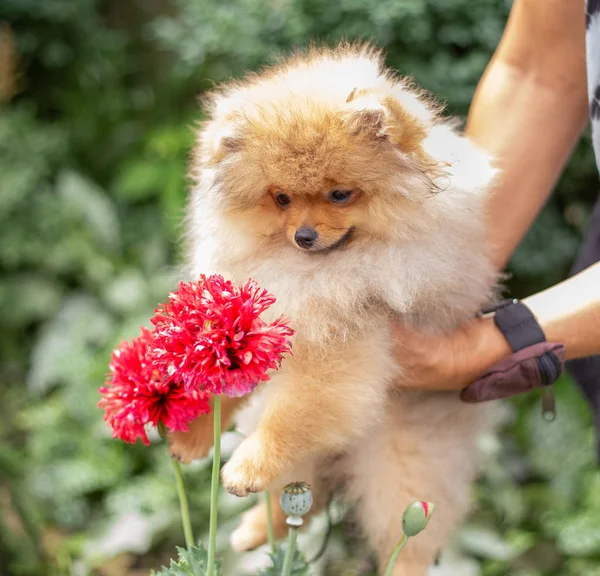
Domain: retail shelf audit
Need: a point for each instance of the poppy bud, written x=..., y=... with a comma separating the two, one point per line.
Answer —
x=416, y=517
x=296, y=500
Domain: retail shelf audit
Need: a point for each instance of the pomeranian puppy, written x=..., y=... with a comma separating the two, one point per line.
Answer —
x=340, y=188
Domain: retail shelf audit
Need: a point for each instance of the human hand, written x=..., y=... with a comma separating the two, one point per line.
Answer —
x=449, y=361
x=568, y=313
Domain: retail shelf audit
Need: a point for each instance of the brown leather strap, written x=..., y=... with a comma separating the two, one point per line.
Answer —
x=534, y=363
x=518, y=373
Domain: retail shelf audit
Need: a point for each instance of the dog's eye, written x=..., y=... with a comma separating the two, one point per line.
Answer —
x=282, y=199
x=340, y=196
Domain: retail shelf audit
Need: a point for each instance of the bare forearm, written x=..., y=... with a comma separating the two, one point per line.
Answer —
x=570, y=313
x=528, y=112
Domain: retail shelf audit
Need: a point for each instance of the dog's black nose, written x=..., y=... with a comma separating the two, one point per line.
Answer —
x=305, y=237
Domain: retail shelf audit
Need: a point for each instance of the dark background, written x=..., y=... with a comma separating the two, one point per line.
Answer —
x=97, y=106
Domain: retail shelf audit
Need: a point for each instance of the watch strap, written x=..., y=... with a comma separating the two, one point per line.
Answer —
x=517, y=323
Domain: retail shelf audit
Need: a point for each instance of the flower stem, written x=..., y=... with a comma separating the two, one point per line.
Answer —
x=183, y=505
x=214, y=486
x=289, y=553
x=270, y=531
x=395, y=553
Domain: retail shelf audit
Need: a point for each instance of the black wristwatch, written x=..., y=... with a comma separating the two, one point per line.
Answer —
x=522, y=331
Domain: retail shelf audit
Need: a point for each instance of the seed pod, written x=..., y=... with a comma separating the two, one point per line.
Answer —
x=296, y=500
x=416, y=517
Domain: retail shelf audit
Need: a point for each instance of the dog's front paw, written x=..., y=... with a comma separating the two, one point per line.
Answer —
x=249, y=469
x=193, y=444
x=183, y=448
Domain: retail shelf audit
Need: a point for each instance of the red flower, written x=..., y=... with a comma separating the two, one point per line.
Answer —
x=209, y=336
x=135, y=394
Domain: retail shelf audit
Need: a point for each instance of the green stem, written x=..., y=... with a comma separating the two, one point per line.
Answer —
x=289, y=553
x=395, y=553
x=270, y=531
x=183, y=505
x=214, y=486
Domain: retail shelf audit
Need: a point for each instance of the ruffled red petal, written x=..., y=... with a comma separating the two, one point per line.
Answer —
x=209, y=335
x=135, y=395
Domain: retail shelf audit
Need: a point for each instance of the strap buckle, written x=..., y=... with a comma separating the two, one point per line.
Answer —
x=490, y=311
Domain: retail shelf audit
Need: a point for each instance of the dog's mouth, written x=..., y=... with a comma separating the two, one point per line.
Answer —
x=340, y=243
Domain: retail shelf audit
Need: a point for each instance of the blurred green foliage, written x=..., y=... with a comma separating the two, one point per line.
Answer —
x=98, y=105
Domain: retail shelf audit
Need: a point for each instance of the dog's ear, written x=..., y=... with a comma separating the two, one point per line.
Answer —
x=364, y=114
x=221, y=134
x=220, y=140
x=399, y=117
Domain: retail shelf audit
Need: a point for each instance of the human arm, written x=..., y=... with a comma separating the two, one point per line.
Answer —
x=568, y=313
x=529, y=111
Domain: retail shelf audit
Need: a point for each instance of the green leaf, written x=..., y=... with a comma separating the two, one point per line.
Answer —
x=484, y=542
x=580, y=536
x=140, y=180
x=548, y=247
x=299, y=566
x=561, y=450
x=128, y=292
x=581, y=567
x=128, y=531
x=90, y=202
x=27, y=298
x=189, y=563
x=591, y=489
x=65, y=348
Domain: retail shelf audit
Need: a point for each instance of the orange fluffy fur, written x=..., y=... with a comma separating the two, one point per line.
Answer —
x=412, y=250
